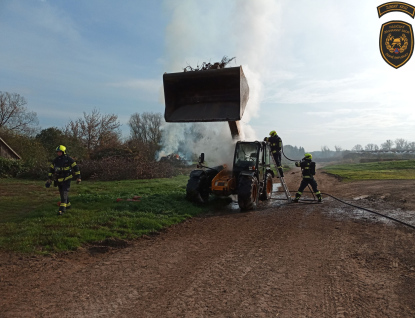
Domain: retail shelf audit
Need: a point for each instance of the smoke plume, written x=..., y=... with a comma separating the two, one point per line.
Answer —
x=205, y=31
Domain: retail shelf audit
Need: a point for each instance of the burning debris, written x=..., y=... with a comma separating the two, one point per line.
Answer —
x=170, y=157
x=208, y=66
x=173, y=158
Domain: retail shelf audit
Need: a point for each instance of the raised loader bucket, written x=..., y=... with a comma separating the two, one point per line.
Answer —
x=208, y=95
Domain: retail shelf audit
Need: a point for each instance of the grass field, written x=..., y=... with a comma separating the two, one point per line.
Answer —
x=382, y=170
x=29, y=220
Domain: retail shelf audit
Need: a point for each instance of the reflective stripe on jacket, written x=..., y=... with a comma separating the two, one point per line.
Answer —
x=275, y=143
x=308, y=168
x=63, y=168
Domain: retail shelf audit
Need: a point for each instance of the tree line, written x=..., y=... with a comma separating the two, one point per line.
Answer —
x=97, y=137
x=86, y=135
x=91, y=137
x=400, y=144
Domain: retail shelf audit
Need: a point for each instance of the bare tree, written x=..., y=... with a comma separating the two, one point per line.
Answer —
x=325, y=152
x=95, y=130
x=325, y=149
x=14, y=115
x=338, y=148
x=357, y=148
x=387, y=145
x=401, y=144
x=371, y=147
x=411, y=145
x=145, y=128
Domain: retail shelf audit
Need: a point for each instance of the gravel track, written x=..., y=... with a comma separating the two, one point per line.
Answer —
x=297, y=260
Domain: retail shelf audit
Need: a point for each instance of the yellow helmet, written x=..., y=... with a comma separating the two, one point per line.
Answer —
x=61, y=148
x=308, y=156
x=272, y=133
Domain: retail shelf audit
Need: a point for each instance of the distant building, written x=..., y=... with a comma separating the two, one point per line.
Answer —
x=7, y=152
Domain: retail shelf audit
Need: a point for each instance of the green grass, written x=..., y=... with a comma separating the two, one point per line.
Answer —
x=382, y=170
x=29, y=220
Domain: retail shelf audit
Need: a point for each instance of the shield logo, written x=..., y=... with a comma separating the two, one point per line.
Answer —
x=396, y=42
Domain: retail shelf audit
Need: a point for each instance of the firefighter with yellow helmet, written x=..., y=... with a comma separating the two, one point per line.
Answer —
x=61, y=171
x=276, y=146
x=308, y=170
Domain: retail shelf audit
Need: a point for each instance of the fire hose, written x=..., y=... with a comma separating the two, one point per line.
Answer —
x=344, y=202
x=314, y=201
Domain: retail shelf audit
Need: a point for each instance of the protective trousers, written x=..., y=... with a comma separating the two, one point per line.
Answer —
x=304, y=183
x=277, y=158
x=63, y=191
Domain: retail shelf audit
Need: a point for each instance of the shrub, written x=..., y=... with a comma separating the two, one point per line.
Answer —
x=121, y=168
x=10, y=168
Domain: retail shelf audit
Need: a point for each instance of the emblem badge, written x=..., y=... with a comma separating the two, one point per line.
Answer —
x=396, y=42
x=396, y=6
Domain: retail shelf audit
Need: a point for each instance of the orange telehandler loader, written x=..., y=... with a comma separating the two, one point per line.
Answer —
x=220, y=95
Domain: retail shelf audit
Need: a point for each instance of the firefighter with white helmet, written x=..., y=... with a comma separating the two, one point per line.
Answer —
x=308, y=170
x=276, y=146
x=61, y=171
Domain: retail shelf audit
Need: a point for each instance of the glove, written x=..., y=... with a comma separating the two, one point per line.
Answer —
x=78, y=181
x=266, y=139
x=48, y=183
x=297, y=164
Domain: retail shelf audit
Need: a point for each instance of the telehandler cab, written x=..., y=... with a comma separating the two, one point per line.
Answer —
x=250, y=177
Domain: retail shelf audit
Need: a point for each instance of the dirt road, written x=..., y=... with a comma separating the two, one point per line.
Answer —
x=297, y=260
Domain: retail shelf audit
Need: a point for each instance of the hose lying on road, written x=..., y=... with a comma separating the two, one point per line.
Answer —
x=371, y=211
x=355, y=206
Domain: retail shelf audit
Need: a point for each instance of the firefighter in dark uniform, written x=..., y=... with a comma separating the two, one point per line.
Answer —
x=62, y=169
x=276, y=146
x=308, y=170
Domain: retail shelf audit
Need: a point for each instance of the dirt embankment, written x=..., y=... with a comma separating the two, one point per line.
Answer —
x=297, y=260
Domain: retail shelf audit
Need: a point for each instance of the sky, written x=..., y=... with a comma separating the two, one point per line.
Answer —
x=314, y=69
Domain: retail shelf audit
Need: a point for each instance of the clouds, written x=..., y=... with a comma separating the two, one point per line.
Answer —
x=150, y=86
x=333, y=86
x=314, y=69
x=367, y=104
x=359, y=87
x=69, y=58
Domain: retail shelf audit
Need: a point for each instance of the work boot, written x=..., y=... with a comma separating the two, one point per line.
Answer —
x=62, y=210
x=297, y=197
x=281, y=172
x=319, y=199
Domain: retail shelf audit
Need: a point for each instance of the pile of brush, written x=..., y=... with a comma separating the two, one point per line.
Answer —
x=208, y=66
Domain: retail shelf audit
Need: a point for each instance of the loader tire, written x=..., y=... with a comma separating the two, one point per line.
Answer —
x=247, y=193
x=267, y=190
x=197, y=189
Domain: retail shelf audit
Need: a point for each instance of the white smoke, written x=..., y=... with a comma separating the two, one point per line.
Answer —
x=205, y=31
x=189, y=140
x=253, y=105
